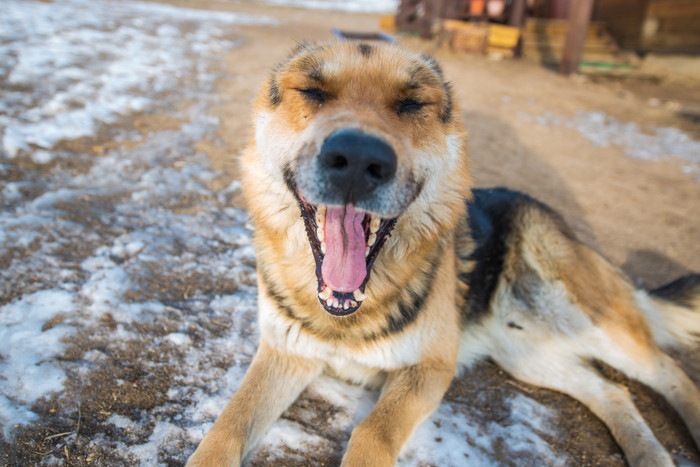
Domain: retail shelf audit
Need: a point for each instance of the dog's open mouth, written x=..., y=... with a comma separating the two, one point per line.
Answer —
x=345, y=242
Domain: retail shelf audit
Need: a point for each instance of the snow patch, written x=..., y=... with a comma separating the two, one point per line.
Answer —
x=90, y=62
x=604, y=130
x=29, y=344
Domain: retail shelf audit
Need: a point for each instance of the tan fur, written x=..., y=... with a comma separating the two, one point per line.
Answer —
x=556, y=307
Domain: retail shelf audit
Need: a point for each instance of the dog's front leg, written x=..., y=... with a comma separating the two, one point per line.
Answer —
x=408, y=397
x=273, y=381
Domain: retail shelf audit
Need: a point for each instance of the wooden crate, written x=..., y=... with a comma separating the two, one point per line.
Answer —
x=469, y=38
x=503, y=37
x=387, y=23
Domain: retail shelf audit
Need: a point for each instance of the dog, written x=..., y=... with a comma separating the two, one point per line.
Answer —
x=379, y=264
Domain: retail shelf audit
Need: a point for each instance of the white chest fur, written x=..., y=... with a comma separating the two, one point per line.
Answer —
x=363, y=365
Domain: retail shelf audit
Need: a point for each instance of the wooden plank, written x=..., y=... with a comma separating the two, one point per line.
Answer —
x=677, y=8
x=672, y=42
x=562, y=24
x=579, y=18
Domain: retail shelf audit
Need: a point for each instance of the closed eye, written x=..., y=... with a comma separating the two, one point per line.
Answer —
x=408, y=106
x=315, y=95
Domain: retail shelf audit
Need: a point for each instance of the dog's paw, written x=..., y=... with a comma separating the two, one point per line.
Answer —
x=655, y=457
x=213, y=455
x=365, y=449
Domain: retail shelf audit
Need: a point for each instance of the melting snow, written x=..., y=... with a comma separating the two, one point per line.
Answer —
x=603, y=130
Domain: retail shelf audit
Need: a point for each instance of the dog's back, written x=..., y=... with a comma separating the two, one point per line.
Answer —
x=548, y=309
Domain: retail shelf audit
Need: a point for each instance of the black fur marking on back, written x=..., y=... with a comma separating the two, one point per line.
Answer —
x=682, y=291
x=490, y=215
x=365, y=50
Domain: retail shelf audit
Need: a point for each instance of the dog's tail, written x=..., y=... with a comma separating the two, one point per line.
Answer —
x=673, y=312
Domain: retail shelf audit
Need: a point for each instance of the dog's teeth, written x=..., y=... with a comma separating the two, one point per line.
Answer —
x=366, y=251
x=346, y=305
x=359, y=296
x=321, y=210
x=352, y=303
x=329, y=302
x=323, y=247
x=320, y=217
x=325, y=293
x=319, y=233
x=336, y=303
x=374, y=224
x=372, y=238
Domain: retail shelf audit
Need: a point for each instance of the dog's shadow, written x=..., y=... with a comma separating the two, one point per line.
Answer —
x=499, y=158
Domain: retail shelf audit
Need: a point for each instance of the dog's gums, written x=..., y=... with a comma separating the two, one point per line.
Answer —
x=345, y=243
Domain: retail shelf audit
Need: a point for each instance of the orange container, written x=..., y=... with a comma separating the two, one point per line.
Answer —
x=476, y=7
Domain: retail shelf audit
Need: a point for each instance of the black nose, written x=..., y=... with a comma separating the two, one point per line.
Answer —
x=356, y=163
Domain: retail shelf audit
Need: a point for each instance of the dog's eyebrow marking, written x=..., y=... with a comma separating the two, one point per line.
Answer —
x=446, y=112
x=316, y=74
x=274, y=93
x=433, y=65
x=365, y=50
x=311, y=66
x=421, y=75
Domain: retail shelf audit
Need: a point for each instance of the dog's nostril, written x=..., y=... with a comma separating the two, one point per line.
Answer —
x=336, y=161
x=376, y=171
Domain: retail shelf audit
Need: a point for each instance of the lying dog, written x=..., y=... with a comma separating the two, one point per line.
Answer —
x=357, y=169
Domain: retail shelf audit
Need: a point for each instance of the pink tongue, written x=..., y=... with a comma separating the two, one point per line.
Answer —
x=344, y=268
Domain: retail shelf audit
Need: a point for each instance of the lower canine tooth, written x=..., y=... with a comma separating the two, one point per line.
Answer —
x=372, y=238
x=374, y=224
x=325, y=294
x=366, y=251
x=359, y=296
x=323, y=247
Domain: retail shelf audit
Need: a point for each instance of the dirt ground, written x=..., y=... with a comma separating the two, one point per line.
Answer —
x=643, y=215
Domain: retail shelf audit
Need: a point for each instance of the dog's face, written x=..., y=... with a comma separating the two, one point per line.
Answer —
x=359, y=134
